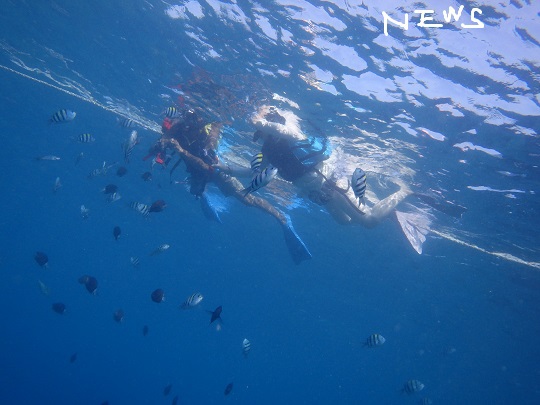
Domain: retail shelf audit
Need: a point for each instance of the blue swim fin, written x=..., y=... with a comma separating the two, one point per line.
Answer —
x=208, y=209
x=297, y=249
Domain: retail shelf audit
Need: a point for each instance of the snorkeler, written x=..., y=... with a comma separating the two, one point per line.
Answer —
x=197, y=143
x=303, y=162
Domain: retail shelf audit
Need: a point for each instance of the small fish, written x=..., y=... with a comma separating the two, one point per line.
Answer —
x=86, y=138
x=90, y=283
x=256, y=163
x=57, y=185
x=167, y=390
x=246, y=347
x=80, y=157
x=160, y=249
x=85, y=212
x=359, y=184
x=171, y=112
x=135, y=261
x=146, y=176
x=110, y=189
x=140, y=207
x=118, y=315
x=125, y=122
x=158, y=296
x=73, y=358
x=425, y=401
x=192, y=301
x=216, y=314
x=59, y=308
x=47, y=157
x=228, y=389
x=375, y=340
x=261, y=180
x=62, y=116
x=157, y=206
x=116, y=232
x=175, y=400
x=102, y=171
x=412, y=386
x=121, y=171
x=42, y=259
x=43, y=288
x=145, y=330
x=113, y=197
x=129, y=145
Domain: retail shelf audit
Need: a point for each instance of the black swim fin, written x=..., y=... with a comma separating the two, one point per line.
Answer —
x=446, y=207
x=297, y=249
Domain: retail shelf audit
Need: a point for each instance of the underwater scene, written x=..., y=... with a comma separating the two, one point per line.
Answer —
x=272, y=202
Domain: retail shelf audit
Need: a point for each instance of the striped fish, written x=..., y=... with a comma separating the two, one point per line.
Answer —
x=359, y=184
x=256, y=163
x=125, y=122
x=246, y=347
x=160, y=249
x=129, y=145
x=412, y=386
x=172, y=112
x=86, y=138
x=261, y=180
x=140, y=207
x=135, y=261
x=375, y=340
x=192, y=301
x=62, y=116
x=113, y=197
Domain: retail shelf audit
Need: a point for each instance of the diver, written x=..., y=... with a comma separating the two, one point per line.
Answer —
x=197, y=144
x=304, y=162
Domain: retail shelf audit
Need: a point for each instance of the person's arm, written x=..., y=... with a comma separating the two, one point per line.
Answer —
x=188, y=157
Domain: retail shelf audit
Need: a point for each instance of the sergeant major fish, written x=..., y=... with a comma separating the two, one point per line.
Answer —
x=62, y=116
x=171, y=112
x=261, y=180
x=412, y=386
x=359, y=184
x=86, y=138
x=129, y=145
x=256, y=163
x=192, y=301
x=375, y=340
x=246, y=347
x=140, y=207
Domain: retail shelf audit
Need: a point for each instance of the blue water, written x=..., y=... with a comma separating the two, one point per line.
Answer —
x=458, y=317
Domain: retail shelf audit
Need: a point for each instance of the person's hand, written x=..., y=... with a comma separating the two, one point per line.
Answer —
x=222, y=167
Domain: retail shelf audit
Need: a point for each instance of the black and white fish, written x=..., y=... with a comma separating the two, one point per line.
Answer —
x=261, y=180
x=246, y=347
x=125, y=122
x=192, y=301
x=359, y=184
x=62, y=116
x=256, y=163
x=42, y=259
x=135, y=261
x=128, y=146
x=160, y=249
x=57, y=185
x=47, y=157
x=140, y=207
x=171, y=112
x=412, y=386
x=86, y=138
x=113, y=197
x=375, y=340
